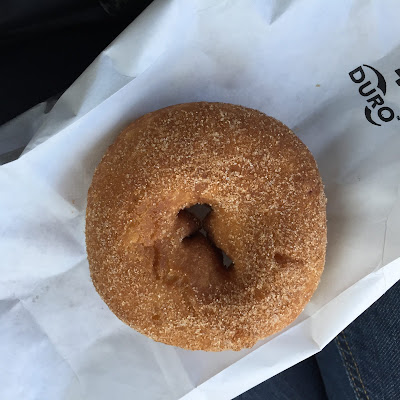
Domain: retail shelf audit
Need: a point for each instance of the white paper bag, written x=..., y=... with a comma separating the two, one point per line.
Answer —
x=290, y=59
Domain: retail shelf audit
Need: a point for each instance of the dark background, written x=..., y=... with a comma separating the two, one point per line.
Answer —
x=46, y=44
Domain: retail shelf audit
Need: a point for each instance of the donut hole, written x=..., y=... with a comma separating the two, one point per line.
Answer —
x=226, y=260
x=200, y=211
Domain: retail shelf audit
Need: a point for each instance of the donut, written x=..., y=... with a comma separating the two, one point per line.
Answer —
x=160, y=267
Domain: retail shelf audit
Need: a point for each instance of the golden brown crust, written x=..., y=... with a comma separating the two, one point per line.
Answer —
x=268, y=216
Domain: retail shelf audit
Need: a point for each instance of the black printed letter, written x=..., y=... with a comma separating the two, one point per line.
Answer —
x=362, y=87
x=382, y=117
x=376, y=100
x=355, y=71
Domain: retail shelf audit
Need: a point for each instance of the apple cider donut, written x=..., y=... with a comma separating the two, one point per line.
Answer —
x=159, y=268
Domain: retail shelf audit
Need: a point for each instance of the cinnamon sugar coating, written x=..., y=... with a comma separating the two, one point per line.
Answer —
x=153, y=267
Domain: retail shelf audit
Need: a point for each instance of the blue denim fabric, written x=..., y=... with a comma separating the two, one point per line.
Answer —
x=368, y=351
x=302, y=381
x=361, y=363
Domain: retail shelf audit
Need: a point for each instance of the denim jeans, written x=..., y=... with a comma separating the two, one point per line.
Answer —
x=361, y=363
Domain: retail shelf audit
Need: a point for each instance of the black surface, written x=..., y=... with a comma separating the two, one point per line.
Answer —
x=46, y=44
